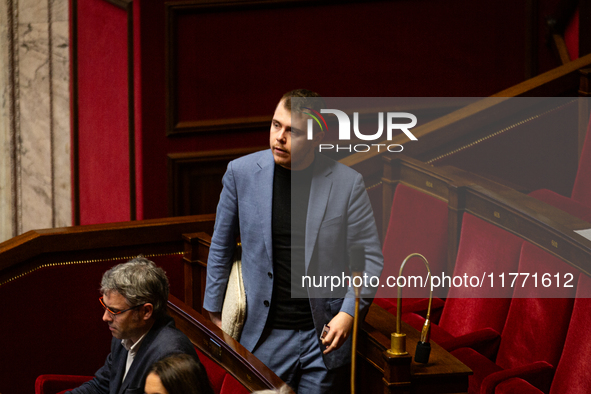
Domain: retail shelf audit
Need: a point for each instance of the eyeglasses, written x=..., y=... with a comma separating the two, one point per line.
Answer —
x=116, y=312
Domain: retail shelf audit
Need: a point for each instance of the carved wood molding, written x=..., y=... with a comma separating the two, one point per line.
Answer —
x=174, y=10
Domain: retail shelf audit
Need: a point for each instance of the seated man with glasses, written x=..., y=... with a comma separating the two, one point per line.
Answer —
x=134, y=298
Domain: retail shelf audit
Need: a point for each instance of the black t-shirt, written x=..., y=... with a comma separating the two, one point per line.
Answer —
x=291, y=192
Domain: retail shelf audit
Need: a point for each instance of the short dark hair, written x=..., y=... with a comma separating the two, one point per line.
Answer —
x=182, y=374
x=311, y=100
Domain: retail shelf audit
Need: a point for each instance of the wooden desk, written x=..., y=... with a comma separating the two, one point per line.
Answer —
x=443, y=374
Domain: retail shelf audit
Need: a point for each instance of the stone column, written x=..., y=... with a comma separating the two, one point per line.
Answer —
x=34, y=116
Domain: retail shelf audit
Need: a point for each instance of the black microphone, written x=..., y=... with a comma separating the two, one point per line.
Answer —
x=424, y=346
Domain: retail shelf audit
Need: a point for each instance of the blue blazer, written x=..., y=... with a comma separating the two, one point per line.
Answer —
x=163, y=340
x=339, y=215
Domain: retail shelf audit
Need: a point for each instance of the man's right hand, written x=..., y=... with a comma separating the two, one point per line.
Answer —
x=216, y=318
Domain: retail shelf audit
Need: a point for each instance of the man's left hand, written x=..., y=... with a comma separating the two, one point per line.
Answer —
x=340, y=328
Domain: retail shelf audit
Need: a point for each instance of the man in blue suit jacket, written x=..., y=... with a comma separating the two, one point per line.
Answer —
x=256, y=205
x=135, y=295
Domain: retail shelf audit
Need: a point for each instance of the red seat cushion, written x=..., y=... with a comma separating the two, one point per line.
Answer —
x=483, y=248
x=52, y=384
x=480, y=365
x=573, y=374
x=476, y=322
x=487, y=375
x=536, y=327
x=571, y=36
x=232, y=386
x=516, y=385
x=221, y=381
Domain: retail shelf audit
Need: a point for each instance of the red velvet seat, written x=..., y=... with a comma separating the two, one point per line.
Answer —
x=579, y=203
x=221, y=381
x=535, y=329
x=571, y=36
x=469, y=321
x=573, y=374
x=418, y=224
x=517, y=385
x=52, y=384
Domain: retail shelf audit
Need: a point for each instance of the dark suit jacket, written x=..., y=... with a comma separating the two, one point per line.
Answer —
x=339, y=216
x=163, y=340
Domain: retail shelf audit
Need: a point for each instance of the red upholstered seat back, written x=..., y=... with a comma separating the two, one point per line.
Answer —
x=573, y=374
x=536, y=327
x=221, y=381
x=484, y=248
x=582, y=187
x=418, y=224
x=571, y=36
x=52, y=384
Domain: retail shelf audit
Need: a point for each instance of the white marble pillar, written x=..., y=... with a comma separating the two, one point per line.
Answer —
x=7, y=212
x=35, y=126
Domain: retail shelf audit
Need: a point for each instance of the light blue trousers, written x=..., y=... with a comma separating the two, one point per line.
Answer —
x=295, y=356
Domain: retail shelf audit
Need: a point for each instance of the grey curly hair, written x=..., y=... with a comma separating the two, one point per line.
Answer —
x=139, y=281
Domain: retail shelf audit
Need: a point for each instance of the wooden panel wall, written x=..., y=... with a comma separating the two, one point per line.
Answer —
x=195, y=180
x=201, y=76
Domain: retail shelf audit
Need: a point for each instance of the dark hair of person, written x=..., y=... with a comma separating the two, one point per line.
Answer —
x=308, y=98
x=182, y=374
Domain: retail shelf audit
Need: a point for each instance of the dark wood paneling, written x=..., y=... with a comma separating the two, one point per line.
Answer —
x=177, y=10
x=32, y=249
x=195, y=180
x=227, y=60
x=174, y=125
x=531, y=38
x=195, y=259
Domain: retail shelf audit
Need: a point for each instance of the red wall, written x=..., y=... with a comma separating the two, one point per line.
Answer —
x=103, y=113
